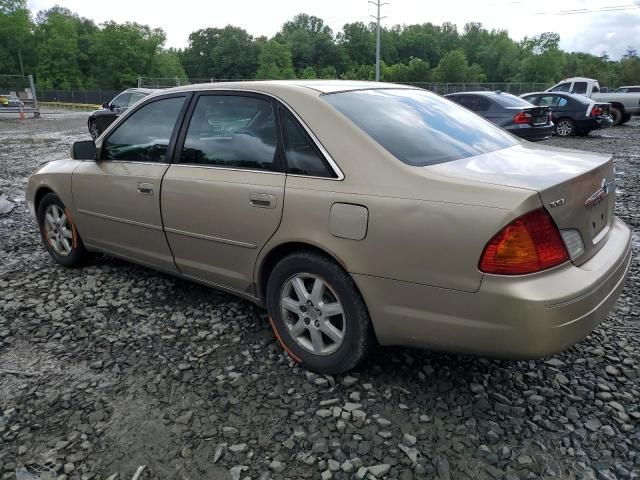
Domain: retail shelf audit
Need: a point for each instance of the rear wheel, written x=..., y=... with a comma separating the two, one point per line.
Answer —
x=59, y=233
x=625, y=118
x=617, y=115
x=565, y=127
x=318, y=314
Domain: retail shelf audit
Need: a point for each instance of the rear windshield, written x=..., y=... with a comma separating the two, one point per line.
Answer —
x=508, y=100
x=419, y=127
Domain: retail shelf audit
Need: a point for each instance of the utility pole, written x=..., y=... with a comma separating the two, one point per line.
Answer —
x=378, y=4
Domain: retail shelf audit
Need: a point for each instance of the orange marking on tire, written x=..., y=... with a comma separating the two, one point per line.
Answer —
x=74, y=233
x=289, y=352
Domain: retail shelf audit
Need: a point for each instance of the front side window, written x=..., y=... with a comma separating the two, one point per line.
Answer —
x=418, y=127
x=303, y=157
x=145, y=135
x=121, y=101
x=580, y=88
x=633, y=90
x=531, y=99
x=563, y=87
x=231, y=131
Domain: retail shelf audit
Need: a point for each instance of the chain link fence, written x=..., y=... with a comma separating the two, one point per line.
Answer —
x=86, y=97
x=98, y=97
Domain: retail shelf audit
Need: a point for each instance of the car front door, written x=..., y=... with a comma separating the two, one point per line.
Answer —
x=222, y=197
x=117, y=197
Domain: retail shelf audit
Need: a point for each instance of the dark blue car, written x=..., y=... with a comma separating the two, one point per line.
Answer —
x=573, y=114
x=514, y=114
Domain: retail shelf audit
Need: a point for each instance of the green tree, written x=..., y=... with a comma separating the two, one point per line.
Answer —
x=125, y=51
x=275, y=62
x=309, y=73
x=630, y=71
x=221, y=53
x=17, y=43
x=452, y=68
x=310, y=42
x=543, y=60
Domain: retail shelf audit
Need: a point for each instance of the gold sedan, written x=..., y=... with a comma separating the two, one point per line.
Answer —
x=356, y=212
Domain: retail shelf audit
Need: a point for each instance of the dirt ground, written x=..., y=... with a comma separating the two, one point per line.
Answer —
x=113, y=366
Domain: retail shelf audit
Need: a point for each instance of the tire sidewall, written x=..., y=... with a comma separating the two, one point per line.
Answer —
x=617, y=116
x=357, y=332
x=78, y=252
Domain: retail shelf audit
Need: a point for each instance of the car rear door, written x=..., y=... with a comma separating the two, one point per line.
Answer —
x=117, y=197
x=222, y=197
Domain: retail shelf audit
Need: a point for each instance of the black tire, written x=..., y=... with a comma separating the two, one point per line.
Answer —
x=78, y=254
x=565, y=127
x=625, y=118
x=94, y=130
x=358, y=338
x=584, y=133
x=617, y=115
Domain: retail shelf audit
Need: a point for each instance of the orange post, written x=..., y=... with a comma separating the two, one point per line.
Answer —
x=21, y=113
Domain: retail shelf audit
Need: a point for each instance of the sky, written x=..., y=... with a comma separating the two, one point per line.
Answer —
x=609, y=25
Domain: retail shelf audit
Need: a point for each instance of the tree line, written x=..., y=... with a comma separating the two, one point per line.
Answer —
x=66, y=51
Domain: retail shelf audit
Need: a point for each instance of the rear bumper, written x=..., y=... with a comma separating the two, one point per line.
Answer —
x=589, y=124
x=533, y=134
x=529, y=316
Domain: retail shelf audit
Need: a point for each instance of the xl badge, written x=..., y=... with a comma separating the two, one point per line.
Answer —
x=599, y=195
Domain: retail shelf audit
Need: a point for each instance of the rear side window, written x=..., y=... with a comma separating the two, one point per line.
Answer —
x=145, y=135
x=418, y=127
x=531, y=99
x=580, y=88
x=633, y=90
x=563, y=87
x=508, y=100
x=135, y=97
x=595, y=89
x=303, y=157
x=231, y=131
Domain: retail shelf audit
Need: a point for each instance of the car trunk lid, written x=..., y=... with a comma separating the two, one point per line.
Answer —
x=577, y=188
x=537, y=116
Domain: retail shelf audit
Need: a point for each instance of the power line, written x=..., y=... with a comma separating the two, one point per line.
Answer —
x=578, y=11
x=378, y=5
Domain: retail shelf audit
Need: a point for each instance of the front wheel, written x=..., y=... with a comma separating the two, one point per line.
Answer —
x=625, y=118
x=317, y=313
x=59, y=233
x=565, y=128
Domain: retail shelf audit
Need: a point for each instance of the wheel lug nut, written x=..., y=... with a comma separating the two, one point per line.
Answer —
x=319, y=312
x=317, y=323
x=303, y=308
x=307, y=321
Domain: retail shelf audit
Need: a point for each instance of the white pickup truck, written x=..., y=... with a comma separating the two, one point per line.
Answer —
x=625, y=101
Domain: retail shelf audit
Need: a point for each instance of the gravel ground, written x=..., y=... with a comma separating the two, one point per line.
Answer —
x=113, y=366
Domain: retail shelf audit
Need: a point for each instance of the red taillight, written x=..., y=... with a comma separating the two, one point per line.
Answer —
x=522, y=117
x=596, y=111
x=529, y=244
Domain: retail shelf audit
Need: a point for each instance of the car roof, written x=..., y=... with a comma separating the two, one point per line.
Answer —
x=268, y=86
x=629, y=86
x=578, y=79
x=571, y=96
x=147, y=91
x=485, y=93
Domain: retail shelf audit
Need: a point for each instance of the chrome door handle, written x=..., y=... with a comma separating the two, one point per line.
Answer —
x=262, y=200
x=145, y=188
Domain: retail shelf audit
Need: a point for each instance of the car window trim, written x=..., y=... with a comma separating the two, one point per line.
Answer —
x=278, y=102
x=131, y=111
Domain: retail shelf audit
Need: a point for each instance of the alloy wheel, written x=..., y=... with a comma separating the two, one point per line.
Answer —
x=58, y=230
x=564, y=128
x=313, y=314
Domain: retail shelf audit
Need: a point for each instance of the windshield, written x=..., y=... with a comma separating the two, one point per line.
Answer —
x=419, y=127
x=508, y=100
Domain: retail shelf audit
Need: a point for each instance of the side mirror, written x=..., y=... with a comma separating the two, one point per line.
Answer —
x=105, y=105
x=84, y=150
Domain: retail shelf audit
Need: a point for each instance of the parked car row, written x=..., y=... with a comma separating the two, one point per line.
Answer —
x=100, y=119
x=354, y=212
